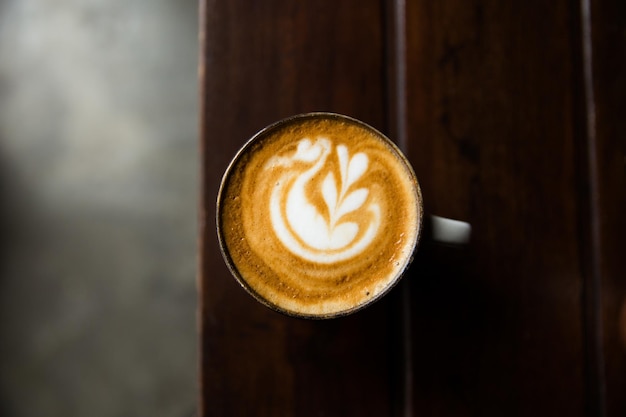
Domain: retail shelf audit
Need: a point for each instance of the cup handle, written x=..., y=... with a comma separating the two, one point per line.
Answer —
x=448, y=231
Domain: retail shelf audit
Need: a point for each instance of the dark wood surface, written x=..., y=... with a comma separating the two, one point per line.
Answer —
x=492, y=133
x=607, y=155
x=510, y=123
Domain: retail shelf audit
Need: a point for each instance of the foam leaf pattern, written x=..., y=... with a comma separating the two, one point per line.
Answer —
x=353, y=201
x=329, y=192
x=356, y=169
x=342, y=155
x=300, y=225
x=342, y=203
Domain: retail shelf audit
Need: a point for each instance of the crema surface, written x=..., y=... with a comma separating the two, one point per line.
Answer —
x=319, y=215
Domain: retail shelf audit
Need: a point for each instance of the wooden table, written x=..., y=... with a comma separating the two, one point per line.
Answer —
x=512, y=114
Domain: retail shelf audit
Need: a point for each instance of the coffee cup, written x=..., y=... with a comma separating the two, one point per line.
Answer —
x=319, y=215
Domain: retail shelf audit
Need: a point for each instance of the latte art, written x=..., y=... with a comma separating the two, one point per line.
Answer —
x=321, y=235
x=318, y=215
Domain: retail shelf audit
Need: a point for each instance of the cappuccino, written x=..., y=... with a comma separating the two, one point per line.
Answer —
x=318, y=215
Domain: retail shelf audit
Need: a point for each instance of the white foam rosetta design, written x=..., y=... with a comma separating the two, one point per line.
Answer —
x=301, y=227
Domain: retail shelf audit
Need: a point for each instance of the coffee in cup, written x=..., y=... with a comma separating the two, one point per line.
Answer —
x=319, y=215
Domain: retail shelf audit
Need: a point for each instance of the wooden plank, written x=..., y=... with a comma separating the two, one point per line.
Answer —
x=607, y=162
x=492, y=124
x=260, y=62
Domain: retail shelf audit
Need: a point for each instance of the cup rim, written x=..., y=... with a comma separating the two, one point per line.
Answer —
x=222, y=240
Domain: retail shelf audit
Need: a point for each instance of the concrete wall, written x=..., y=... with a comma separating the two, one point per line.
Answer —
x=98, y=194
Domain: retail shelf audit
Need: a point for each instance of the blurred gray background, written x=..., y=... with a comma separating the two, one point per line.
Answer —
x=98, y=193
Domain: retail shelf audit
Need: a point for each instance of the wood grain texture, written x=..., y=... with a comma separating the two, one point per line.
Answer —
x=511, y=124
x=492, y=119
x=607, y=148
